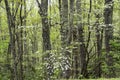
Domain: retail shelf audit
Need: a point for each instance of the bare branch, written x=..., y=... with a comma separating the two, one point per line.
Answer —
x=40, y=7
x=18, y=5
x=0, y=1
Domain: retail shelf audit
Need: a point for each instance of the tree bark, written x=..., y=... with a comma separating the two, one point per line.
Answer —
x=65, y=34
x=108, y=14
x=43, y=11
x=83, y=62
x=99, y=37
x=11, y=26
x=64, y=23
x=74, y=37
x=16, y=43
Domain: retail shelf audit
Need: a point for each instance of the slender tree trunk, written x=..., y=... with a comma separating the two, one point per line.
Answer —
x=75, y=55
x=43, y=7
x=25, y=32
x=74, y=36
x=99, y=36
x=11, y=26
x=83, y=62
x=16, y=42
x=65, y=35
x=99, y=41
x=21, y=43
x=64, y=23
x=108, y=14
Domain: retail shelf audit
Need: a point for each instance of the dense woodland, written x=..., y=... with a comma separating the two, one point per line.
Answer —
x=59, y=39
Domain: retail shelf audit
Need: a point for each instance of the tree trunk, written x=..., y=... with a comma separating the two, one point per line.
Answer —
x=16, y=43
x=21, y=44
x=11, y=26
x=65, y=35
x=99, y=41
x=83, y=62
x=74, y=37
x=64, y=23
x=108, y=13
x=43, y=7
x=75, y=55
x=99, y=36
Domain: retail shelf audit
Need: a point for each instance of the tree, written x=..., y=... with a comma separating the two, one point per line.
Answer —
x=16, y=39
x=43, y=11
x=99, y=41
x=12, y=39
x=108, y=14
x=43, y=7
x=73, y=33
x=64, y=23
x=59, y=39
x=65, y=35
x=0, y=1
x=83, y=63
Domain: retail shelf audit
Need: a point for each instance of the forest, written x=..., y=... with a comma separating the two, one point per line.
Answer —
x=59, y=39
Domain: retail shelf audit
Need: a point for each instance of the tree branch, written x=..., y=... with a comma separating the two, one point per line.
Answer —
x=40, y=7
x=17, y=9
x=0, y=1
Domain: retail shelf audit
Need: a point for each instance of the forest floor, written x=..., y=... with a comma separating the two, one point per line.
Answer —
x=103, y=79
x=95, y=79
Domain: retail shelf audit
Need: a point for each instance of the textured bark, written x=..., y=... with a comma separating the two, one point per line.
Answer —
x=108, y=13
x=45, y=28
x=64, y=31
x=16, y=44
x=74, y=32
x=25, y=32
x=21, y=44
x=65, y=34
x=43, y=11
x=75, y=55
x=64, y=23
x=83, y=62
x=11, y=26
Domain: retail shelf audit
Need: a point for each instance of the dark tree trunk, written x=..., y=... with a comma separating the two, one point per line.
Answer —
x=108, y=14
x=16, y=43
x=11, y=26
x=64, y=22
x=43, y=7
x=74, y=37
x=75, y=55
x=21, y=44
x=65, y=34
x=83, y=62
x=99, y=36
